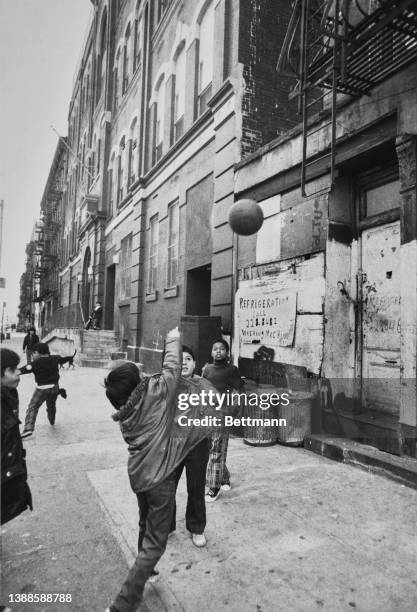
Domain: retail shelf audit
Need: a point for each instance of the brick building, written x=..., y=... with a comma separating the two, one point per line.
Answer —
x=338, y=247
x=168, y=96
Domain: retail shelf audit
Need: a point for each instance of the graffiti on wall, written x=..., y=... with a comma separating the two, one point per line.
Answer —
x=266, y=318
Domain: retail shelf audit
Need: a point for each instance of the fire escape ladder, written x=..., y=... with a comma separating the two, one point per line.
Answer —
x=337, y=47
x=323, y=38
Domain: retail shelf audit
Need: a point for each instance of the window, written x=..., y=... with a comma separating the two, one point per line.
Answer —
x=159, y=124
x=83, y=160
x=90, y=175
x=179, y=96
x=97, y=171
x=153, y=254
x=111, y=185
x=137, y=44
x=126, y=60
x=120, y=171
x=125, y=267
x=205, y=60
x=133, y=151
x=101, y=59
x=173, y=230
x=116, y=82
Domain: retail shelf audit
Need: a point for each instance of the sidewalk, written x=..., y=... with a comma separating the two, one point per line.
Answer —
x=297, y=532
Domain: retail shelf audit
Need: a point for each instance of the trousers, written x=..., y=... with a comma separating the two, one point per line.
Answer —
x=156, y=507
x=217, y=472
x=195, y=464
x=37, y=399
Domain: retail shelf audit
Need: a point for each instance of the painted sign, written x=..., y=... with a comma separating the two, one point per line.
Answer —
x=266, y=318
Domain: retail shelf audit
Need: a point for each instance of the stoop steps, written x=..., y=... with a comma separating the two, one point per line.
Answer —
x=100, y=347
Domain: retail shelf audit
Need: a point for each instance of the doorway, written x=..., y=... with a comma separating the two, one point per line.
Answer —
x=381, y=319
x=198, y=291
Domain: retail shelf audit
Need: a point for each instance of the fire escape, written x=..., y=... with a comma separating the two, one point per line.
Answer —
x=47, y=245
x=348, y=47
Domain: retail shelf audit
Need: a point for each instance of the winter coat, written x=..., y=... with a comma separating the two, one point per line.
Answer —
x=30, y=341
x=149, y=424
x=15, y=493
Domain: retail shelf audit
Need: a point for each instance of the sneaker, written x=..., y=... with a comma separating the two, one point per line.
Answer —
x=212, y=494
x=26, y=433
x=225, y=486
x=154, y=576
x=199, y=539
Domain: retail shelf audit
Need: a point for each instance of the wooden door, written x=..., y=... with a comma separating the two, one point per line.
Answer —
x=381, y=320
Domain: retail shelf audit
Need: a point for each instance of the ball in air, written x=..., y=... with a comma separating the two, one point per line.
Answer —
x=246, y=217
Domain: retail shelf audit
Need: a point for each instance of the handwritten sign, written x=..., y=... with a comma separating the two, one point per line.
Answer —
x=266, y=318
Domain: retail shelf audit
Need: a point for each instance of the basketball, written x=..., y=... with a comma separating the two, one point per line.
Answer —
x=245, y=217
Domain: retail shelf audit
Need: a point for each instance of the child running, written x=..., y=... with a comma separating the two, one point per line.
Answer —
x=225, y=377
x=45, y=367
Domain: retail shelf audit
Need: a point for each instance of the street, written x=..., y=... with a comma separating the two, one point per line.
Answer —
x=297, y=532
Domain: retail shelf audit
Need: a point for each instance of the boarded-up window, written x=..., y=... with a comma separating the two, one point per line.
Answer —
x=268, y=241
x=382, y=198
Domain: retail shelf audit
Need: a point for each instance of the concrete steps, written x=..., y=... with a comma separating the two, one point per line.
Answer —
x=100, y=348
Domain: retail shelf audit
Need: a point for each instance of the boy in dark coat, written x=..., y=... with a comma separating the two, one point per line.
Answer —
x=148, y=414
x=15, y=493
x=29, y=342
x=45, y=367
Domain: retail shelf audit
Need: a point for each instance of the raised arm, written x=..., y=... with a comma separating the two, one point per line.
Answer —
x=171, y=368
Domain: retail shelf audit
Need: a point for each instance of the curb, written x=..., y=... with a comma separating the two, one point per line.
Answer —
x=400, y=469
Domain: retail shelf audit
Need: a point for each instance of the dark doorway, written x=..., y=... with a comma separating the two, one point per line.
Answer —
x=198, y=291
x=110, y=291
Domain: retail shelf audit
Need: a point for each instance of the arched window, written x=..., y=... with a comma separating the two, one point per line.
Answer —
x=126, y=60
x=179, y=95
x=205, y=59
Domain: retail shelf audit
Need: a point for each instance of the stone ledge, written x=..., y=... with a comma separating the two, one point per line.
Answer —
x=401, y=469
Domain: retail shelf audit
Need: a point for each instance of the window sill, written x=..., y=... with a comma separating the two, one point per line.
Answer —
x=151, y=297
x=123, y=302
x=123, y=203
x=171, y=292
